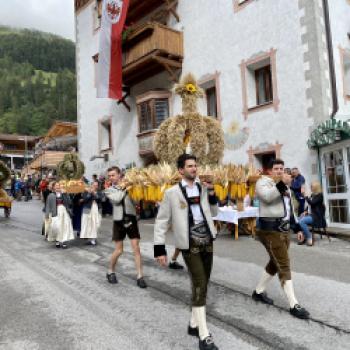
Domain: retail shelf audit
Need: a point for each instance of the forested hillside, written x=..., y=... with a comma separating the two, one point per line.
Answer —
x=37, y=81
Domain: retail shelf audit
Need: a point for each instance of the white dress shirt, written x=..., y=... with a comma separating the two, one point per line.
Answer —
x=193, y=191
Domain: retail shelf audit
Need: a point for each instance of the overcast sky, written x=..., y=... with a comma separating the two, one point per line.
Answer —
x=54, y=16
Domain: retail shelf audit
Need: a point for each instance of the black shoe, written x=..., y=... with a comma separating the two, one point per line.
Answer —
x=193, y=331
x=141, y=283
x=58, y=245
x=64, y=246
x=112, y=278
x=207, y=344
x=262, y=298
x=299, y=312
x=175, y=266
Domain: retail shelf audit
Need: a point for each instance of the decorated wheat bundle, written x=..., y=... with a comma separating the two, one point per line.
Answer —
x=70, y=171
x=71, y=168
x=220, y=178
x=73, y=186
x=150, y=183
x=4, y=173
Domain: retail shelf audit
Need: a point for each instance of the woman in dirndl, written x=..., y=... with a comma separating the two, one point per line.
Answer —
x=91, y=218
x=57, y=211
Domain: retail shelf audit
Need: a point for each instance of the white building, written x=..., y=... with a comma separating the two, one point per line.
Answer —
x=265, y=66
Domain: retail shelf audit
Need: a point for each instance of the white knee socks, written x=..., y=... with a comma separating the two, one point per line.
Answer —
x=289, y=290
x=264, y=281
x=200, y=316
x=193, y=321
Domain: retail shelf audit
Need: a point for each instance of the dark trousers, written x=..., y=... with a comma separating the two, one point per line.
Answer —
x=199, y=262
x=277, y=245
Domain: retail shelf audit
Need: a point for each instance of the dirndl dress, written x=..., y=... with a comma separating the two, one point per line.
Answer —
x=91, y=222
x=60, y=227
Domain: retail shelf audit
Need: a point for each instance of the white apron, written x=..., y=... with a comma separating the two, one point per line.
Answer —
x=60, y=228
x=90, y=223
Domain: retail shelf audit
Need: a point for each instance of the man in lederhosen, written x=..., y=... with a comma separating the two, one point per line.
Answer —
x=188, y=208
x=276, y=212
x=124, y=224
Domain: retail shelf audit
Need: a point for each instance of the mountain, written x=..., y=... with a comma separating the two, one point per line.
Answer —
x=37, y=81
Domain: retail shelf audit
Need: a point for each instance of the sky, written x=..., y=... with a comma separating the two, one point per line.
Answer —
x=53, y=16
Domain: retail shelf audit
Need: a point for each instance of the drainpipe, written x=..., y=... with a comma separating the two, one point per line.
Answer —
x=330, y=59
x=335, y=104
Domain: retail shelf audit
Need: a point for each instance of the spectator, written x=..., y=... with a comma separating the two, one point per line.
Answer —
x=297, y=185
x=13, y=183
x=316, y=215
x=18, y=189
x=43, y=186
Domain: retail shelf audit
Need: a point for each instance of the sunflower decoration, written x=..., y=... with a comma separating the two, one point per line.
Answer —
x=188, y=86
x=189, y=92
x=191, y=88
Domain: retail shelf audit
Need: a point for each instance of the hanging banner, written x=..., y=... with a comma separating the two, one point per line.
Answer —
x=109, y=71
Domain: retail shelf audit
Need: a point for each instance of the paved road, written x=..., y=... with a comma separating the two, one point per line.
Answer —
x=59, y=299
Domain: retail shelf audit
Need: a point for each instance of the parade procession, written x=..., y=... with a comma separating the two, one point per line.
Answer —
x=175, y=174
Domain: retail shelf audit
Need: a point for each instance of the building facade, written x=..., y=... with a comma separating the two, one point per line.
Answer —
x=264, y=66
x=16, y=150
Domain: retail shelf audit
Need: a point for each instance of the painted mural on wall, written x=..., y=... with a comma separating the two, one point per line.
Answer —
x=235, y=137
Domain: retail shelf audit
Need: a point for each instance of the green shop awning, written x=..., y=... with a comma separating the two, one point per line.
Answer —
x=329, y=132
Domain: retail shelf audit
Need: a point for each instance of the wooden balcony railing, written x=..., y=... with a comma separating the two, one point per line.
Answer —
x=150, y=49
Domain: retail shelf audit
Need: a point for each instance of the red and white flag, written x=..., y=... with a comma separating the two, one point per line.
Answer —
x=109, y=71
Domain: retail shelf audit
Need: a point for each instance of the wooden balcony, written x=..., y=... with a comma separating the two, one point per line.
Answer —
x=151, y=49
x=138, y=9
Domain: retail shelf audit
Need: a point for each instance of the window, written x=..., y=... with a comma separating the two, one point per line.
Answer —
x=338, y=211
x=334, y=169
x=153, y=109
x=105, y=135
x=97, y=14
x=259, y=83
x=263, y=85
x=210, y=94
x=210, y=83
x=10, y=147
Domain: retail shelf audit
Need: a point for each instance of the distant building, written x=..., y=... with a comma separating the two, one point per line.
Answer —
x=268, y=68
x=51, y=149
x=16, y=150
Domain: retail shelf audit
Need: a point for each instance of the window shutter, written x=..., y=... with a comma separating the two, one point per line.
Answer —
x=145, y=116
x=161, y=107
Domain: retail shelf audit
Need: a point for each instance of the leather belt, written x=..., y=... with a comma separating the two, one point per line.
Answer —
x=273, y=224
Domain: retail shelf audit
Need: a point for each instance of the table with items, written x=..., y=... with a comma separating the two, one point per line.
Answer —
x=231, y=215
